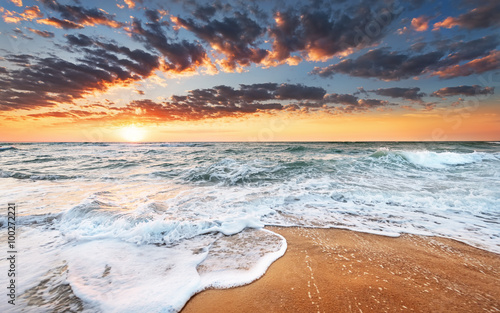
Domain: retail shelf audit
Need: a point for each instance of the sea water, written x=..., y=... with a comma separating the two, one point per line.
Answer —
x=111, y=227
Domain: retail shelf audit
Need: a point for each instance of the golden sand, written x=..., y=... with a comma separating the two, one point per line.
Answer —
x=331, y=270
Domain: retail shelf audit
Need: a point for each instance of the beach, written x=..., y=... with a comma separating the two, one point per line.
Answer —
x=333, y=270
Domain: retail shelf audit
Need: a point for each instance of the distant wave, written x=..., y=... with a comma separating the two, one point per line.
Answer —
x=185, y=144
x=19, y=175
x=432, y=159
x=296, y=149
x=230, y=172
x=8, y=148
x=34, y=219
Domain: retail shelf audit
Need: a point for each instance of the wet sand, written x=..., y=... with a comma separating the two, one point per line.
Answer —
x=331, y=270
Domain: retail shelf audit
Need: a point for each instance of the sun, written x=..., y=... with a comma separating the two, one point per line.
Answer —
x=132, y=133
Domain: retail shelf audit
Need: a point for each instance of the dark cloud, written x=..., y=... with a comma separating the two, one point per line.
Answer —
x=388, y=65
x=299, y=92
x=190, y=109
x=418, y=47
x=476, y=66
x=50, y=81
x=415, y=4
x=19, y=59
x=42, y=33
x=345, y=99
x=152, y=15
x=474, y=90
x=397, y=92
x=382, y=64
x=462, y=51
x=372, y=103
x=225, y=101
x=206, y=12
x=81, y=16
x=322, y=34
x=484, y=16
x=182, y=56
x=253, y=93
x=198, y=104
x=234, y=37
x=79, y=40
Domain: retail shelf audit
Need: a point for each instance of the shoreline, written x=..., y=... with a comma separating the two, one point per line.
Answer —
x=336, y=270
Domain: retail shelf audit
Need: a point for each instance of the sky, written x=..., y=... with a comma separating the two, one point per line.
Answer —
x=249, y=70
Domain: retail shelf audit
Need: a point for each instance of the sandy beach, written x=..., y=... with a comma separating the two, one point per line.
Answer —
x=331, y=270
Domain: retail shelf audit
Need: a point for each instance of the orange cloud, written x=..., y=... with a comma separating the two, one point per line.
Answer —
x=89, y=21
x=449, y=22
x=420, y=24
x=130, y=3
x=477, y=66
x=18, y=3
x=30, y=13
x=481, y=17
x=66, y=24
x=92, y=21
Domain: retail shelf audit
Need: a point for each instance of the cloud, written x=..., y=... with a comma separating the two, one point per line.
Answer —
x=485, y=16
x=225, y=101
x=382, y=64
x=182, y=56
x=388, y=65
x=51, y=114
x=77, y=15
x=58, y=23
x=413, y=94
x=299, y=92
x=206, y=12
x=418, y=47
x=42, y=33
x=131, y=3
x=18, y=3
x=45, y=82
x=233, y=37
x=462, y=51
x=322, y=34
x=19, y=59
x=79, y=40
x=28, y=14
x=255, y=92
x=198, y=104
x=420, y=24
x=372, y=103
x=340, y=99
x=474, y=90
x=477, y=66
x=152, y=15
x=311, y=32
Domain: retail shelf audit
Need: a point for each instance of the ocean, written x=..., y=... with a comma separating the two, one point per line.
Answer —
x=117, y=227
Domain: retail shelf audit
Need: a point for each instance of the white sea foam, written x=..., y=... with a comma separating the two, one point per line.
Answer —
x=110, y=275
x=443, y=159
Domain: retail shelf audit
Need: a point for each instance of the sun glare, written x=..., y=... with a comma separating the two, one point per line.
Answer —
x=133, y=133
